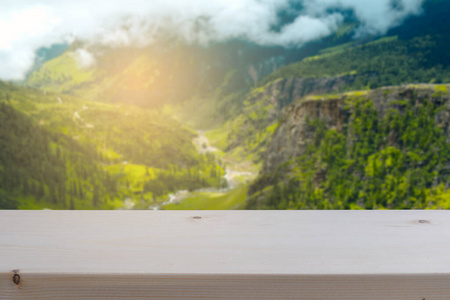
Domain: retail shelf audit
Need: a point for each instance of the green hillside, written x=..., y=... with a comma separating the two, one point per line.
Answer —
x=62, y=74
x=149, y=77
x=388, y=61
x=384, y=62
x=383, y=153
x=119, y=133
x=63, y=152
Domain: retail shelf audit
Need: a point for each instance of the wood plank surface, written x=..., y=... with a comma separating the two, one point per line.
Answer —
x=225, y=254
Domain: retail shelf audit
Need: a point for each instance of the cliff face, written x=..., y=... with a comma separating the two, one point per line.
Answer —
x=385, y=148
x=294, y=132
x=283, y=92
x=257, y=71
x=263, y=107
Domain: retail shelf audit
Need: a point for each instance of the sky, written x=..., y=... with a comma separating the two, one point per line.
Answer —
x=27, y=25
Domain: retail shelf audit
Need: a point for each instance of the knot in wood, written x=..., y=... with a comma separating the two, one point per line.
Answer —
x=16, y=279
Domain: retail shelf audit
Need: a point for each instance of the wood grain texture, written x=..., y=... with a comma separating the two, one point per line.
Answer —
x=225, y=254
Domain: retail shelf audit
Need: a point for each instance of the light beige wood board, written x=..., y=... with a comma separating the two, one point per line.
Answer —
x=225, y=254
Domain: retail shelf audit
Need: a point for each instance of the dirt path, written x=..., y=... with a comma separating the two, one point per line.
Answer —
x=76, y=116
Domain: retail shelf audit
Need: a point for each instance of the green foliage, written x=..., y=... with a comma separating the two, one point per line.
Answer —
x=153, y=76
x=386, y=62
x=391, y=161
x=234, y=199
x=45, y=167
x=205, y=174
x=252, y=129
x=61, y=74
x=65, y=153
x=216, y=108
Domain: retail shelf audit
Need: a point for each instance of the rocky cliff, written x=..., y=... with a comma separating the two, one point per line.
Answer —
x=283, y=92
x=264, y=105
x=294, y=132
x=334, y=151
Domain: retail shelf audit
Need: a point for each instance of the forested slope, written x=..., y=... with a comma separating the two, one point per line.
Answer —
x=60, y=151
x=386, y=148
x=388, y=61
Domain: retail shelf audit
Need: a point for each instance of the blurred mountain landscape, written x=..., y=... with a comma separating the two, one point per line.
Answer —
x=345, y=121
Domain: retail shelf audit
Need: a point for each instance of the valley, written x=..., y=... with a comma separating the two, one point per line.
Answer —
x=232, y=195
x=342, y=122
x=100, y=164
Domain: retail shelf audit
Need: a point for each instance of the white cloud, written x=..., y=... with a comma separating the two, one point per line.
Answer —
x=21, y=32
x=306, y=28
x=84, y=58
x=24, y=28
x=376, y=16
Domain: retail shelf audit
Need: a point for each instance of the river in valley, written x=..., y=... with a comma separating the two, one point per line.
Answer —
x=232, y=177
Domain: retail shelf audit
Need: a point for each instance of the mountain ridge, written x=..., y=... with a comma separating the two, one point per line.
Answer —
x=122, y=108
x=322, y=138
